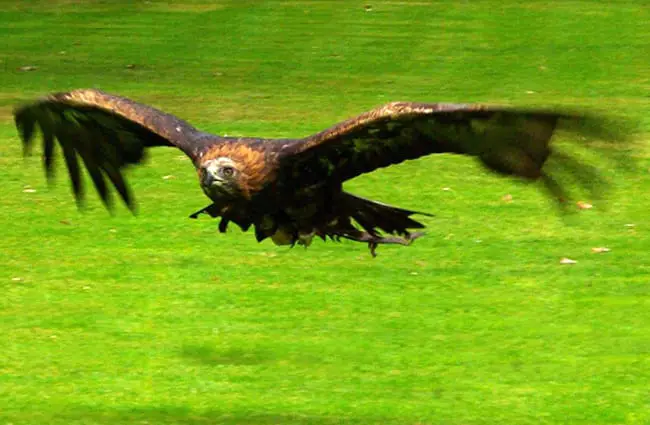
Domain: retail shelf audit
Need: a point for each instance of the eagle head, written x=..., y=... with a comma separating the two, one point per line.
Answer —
x=222, y=177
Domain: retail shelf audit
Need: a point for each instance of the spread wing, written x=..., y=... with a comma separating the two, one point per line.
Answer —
x=508, y=141
x=107, y=132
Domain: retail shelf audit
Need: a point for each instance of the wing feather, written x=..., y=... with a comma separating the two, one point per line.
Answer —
x=120, y=184
x=71, y=161
x=48, y=155
x=108, y=132
x=508, y=141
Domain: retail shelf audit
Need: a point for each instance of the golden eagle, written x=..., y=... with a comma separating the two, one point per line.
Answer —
x=290, y=189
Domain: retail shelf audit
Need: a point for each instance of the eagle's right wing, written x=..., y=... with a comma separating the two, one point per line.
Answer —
x=107, y=132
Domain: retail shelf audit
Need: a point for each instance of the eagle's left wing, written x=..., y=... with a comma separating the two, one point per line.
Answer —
x=106, y=131
x=508, y=141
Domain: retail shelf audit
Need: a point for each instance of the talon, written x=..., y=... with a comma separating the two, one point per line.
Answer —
x=373, y=246
x=294, y=239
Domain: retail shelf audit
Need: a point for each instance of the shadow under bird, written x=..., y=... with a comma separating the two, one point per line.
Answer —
x=290, y=190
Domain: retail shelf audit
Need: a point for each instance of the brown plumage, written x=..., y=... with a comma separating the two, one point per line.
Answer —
x=256, y=171
x=291, y=189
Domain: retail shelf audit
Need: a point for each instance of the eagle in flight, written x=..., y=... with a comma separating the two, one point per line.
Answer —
x=290, y=190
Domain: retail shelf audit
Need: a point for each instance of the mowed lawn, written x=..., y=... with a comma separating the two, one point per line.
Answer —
x=158, y=319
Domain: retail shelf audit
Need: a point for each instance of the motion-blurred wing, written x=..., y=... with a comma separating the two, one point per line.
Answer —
x=107, y=132
x=508, y=141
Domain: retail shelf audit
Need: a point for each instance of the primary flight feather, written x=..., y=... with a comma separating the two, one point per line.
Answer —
x=290, y=189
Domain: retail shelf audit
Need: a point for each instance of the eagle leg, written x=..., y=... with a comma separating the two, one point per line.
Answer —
x=374, y=240
x=372, y=246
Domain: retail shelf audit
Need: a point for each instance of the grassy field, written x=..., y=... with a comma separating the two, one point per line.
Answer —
x=158, y=319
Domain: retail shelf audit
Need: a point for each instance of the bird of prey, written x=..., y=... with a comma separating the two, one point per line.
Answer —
x=290, y=190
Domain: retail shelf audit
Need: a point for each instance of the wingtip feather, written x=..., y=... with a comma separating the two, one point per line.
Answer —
x=26, y=129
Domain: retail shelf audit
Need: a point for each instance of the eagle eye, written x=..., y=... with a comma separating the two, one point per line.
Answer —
x=227, y=171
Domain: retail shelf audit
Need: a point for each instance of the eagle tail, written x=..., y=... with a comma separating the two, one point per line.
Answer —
x=375, y=217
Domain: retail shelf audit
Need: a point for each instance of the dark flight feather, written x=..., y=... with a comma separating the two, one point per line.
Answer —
x=72, y=162
x=48, y=155
x=108, y=132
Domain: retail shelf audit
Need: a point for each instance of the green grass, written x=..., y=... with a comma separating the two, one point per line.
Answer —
x=159, y=319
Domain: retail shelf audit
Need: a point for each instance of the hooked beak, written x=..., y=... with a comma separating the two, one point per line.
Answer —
x=208, y=179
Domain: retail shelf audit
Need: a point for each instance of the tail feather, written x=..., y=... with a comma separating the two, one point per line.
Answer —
x=374, y=216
